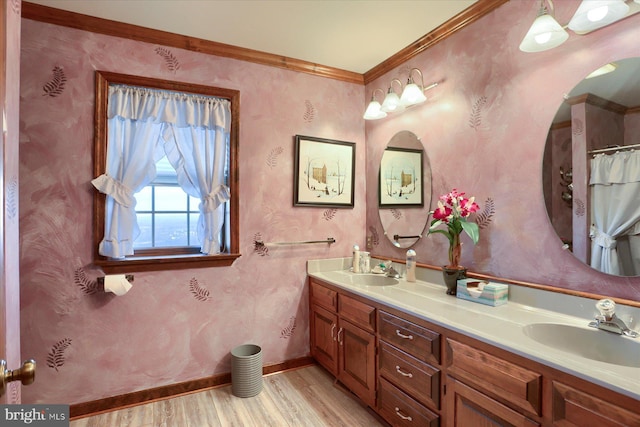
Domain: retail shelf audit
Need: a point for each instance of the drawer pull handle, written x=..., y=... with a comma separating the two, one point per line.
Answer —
x=339, y=340
x=401, y=415
x=404, y=374
x=333, y=329
x=401, y=335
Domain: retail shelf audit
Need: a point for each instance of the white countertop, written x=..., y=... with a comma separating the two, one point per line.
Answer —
x=500, y=326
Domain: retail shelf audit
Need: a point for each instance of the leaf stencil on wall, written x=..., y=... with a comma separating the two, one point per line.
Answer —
x=87, y=286
x=55, y=86
x=309, y=111
x=171, y=61
x=329, y=214
x=397, y=213
x=56, y=359
x=258, y=247
x=288, y=330
x=12, y=199
x=580, y=209
x=483, y=219
x=272, y=158
x=577, y=127
x=16, y=6
x=13, y=393
x=198, y=292
x=476, y=112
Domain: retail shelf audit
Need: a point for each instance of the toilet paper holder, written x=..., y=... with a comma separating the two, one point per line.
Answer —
x=100, y=280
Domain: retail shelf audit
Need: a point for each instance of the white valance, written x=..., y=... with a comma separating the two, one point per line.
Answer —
x=618, y=168
x=180, y=109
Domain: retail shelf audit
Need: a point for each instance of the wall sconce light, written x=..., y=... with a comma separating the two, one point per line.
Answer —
x=594, y=14
x=546, y=33
x=412, y=94
x=392, y=103
x=374, y=109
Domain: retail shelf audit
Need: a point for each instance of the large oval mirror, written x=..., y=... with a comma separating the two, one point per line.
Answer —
x=591, y=169
x=404, y=189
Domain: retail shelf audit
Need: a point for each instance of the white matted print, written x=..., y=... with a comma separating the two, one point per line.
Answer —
x=324, y=172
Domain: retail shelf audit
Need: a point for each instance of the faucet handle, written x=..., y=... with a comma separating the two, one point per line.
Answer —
x=607, y=308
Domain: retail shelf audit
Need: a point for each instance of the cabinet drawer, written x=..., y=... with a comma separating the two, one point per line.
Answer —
x=515, y=384
x=357, y=312
x=323, y=296
x=416, y=340
x=399, y=409
x=573, y=407
x=413, y=376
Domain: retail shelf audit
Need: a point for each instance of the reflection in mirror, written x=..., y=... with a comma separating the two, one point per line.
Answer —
x=591, y=170
x=404, y=209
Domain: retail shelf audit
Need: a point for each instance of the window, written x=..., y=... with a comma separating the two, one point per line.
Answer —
x=181, y=224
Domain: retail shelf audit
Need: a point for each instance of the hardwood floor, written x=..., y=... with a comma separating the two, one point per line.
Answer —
x=305, y=397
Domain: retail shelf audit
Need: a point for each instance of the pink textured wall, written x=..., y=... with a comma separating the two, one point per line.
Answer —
x=484, y=129
x=162, y=332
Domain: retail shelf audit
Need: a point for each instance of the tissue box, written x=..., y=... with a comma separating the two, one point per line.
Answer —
x=484, y=292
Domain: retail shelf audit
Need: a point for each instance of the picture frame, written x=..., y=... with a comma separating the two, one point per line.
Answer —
x=400, y=180
x=324, y=172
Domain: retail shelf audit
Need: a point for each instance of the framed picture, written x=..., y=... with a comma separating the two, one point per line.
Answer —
x=323, y=172
x=400, y=181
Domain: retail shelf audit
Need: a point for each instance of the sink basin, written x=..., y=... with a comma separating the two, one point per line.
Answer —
x=587, y=342
x=361, y=279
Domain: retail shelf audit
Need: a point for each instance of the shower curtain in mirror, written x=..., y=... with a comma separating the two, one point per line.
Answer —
x=615, y=210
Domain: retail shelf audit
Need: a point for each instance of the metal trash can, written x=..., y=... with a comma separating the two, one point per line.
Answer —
x=246, y=370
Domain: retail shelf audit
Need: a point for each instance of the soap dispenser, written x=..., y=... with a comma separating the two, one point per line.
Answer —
x=411, y=265
x=355, y=260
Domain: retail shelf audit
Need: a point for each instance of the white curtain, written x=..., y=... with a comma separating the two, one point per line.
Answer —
x=139, y=119
x=615, y=198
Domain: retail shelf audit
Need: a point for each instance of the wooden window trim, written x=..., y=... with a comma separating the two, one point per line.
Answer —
x=184, y=259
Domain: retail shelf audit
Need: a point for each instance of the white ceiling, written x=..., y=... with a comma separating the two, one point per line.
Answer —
x=352, y=35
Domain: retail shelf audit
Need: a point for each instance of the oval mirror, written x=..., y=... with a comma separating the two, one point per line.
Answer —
x=591, y=169
x=404, y=189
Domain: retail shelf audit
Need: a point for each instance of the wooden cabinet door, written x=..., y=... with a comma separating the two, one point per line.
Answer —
x=324, y=338
x=466, y=407
x=357, y=355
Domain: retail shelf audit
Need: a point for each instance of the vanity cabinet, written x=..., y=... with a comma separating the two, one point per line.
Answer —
x=343, y=339
x=425, y=374
x=409, y=372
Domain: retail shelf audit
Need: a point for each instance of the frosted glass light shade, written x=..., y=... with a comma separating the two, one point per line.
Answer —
x=594, y=14
x=545, y=33
x=412, y=95
x=374, y=111
x=392, y=103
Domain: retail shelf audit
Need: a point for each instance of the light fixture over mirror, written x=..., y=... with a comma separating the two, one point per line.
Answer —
x=412, y=94
x=594, y=14
x=546, y=33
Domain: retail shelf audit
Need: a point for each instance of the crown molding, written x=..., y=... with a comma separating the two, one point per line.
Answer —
x=108, y=27
x=458, y=22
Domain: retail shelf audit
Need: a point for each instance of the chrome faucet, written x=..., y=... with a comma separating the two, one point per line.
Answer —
x=392, y=272
x=608, y=321
x=389, y=271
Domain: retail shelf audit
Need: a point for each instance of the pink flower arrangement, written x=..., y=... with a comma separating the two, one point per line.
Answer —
x=453, y=211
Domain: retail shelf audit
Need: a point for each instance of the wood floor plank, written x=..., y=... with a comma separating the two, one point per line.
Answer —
x=338, y=406
x=305, y=397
